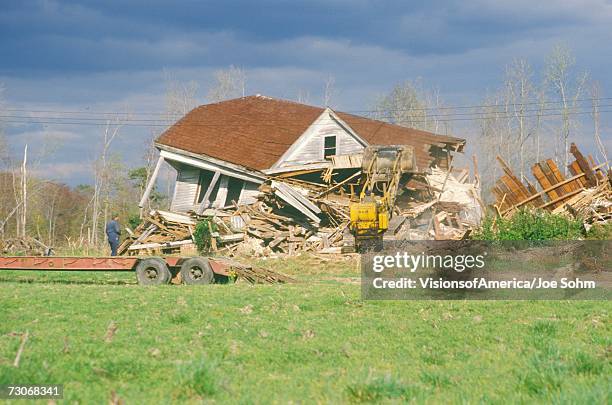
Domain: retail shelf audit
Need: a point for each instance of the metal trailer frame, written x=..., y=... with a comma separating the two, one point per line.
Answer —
x=149, y=270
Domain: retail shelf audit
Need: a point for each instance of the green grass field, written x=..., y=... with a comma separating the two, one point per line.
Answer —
x=312, y=342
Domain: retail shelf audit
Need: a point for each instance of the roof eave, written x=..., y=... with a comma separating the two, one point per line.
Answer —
x=233, y=166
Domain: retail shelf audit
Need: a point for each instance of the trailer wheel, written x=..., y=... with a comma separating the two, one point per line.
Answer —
x=197, y=270
x=153, y=271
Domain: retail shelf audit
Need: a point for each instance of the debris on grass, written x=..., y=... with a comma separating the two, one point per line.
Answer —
x=110, y=331
x=24, y=339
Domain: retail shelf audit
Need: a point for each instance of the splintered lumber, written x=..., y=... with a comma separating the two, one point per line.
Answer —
x=159, y=245
x=346, y=161
x=297, y=201
x=559, y=178
x=159, y=230
x=563, y=197
x=175, y=217
x=586, y=195
x=575, y=170
x=256, y=275
x=539, y=172
x=547, y=190
x=514, y=184
x=335, y=186
x=584, y=166
x=24, y=246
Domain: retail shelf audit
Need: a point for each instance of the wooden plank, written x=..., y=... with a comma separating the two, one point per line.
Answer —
x=289, y=199
x=547, y=190
x=499, y=196
x=338, y=184
x=575, y=170
x=205, y=201
x=545, y=183
x=534, y=191
x=509, y=188
x=552, y=178
x=276, y=241
x=178, y=234
x=221, y=192
x=174, y=217
x=297, y=195
x=567, y=187
x=236, y=237
x=159, y=245
x=584, y=166
x=520, y=188
x=559, y=201
x=152, y=181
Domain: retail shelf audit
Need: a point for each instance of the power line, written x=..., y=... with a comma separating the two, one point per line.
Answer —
x=96, y=122
x=430, y=116
x=457, y=107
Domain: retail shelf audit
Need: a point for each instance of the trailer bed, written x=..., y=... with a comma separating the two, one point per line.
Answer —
x=171, y=268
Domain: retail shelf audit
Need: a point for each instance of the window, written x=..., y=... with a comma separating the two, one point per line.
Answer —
x=329, y=146
x=206, y=177
x=234, y=188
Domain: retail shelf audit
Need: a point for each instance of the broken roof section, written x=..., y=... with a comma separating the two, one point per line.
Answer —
x=255, y=132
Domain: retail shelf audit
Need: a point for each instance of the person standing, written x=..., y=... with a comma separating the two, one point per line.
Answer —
x=113, y=231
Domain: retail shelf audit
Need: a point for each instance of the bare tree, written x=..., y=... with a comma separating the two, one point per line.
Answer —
x=180, y=97
x=329, y=90
x=229, y=83
x=595, y=102
x=521, y=92
x=492, y=133
x=99, y=204
x=24, y=194
x=409, y=105
x=567, y=88
x=303, y=96
x=537, y=128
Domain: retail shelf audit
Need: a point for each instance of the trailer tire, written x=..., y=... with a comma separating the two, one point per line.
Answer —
x=153, y=271
x=197, y=270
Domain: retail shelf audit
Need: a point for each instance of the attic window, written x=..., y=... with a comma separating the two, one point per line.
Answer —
x=329, y=146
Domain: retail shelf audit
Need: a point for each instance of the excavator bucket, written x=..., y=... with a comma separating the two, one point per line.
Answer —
x=381, y=159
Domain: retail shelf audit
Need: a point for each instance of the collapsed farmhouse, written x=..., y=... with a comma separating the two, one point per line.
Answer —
x=223, y=152
x=280, y=175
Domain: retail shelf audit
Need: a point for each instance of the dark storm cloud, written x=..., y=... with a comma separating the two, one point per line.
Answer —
x=111, y=55
x=62, y=36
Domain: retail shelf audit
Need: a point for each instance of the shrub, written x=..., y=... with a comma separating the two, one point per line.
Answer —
x=202, y=234
x=600, y=231
x=134, y=220
x=530, y=225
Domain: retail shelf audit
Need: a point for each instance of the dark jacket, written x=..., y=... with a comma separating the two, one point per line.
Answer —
x=112, y=230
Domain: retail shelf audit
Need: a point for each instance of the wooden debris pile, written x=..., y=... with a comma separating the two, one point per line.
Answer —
x=307, y=210
x=256, y=275
x=160, y=232
x=283, y=221
x=24, y=247
x=442, y=205
x=586, y=194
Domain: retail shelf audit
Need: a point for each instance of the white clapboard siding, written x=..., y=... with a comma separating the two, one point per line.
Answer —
x=185, y=189
x=222, y=193
x=309, y=148
x=249, y=193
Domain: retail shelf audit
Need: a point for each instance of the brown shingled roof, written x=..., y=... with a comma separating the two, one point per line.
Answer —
x=255, y=131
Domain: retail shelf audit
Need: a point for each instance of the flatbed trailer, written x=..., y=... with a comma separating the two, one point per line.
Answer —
x=149, y=270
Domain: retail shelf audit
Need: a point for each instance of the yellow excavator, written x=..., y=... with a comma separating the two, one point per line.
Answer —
x=382, y=168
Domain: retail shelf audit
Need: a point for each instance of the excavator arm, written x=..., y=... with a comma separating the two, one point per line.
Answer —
x=382, y=169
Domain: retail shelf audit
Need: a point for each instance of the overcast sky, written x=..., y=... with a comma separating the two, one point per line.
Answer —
x=110, y=55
